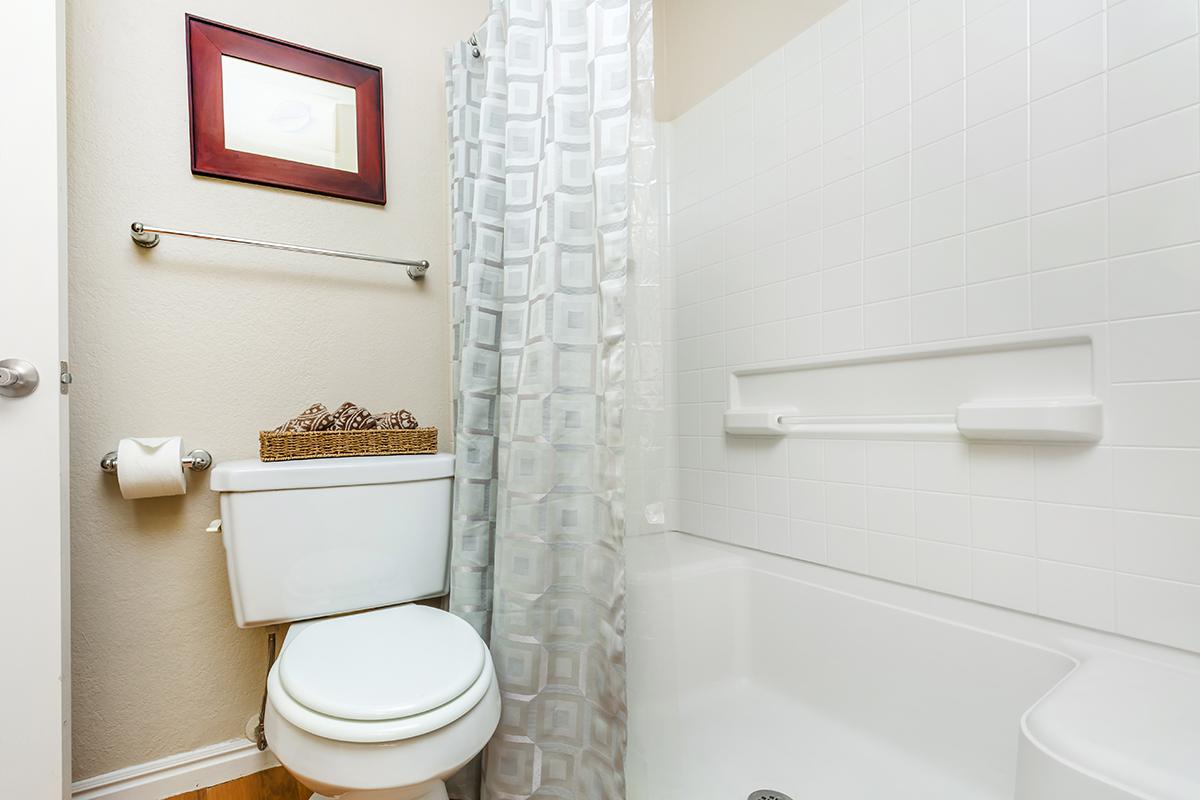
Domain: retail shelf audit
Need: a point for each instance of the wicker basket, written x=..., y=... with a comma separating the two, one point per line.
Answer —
x=288, y=445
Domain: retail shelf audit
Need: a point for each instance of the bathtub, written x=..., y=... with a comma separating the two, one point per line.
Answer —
x=753, y=671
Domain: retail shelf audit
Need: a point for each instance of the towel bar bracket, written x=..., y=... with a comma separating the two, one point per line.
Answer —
x=141, y=237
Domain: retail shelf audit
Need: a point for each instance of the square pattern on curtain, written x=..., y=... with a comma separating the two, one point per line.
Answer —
x=540, y=143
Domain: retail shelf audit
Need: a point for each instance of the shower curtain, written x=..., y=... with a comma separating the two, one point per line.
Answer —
x=557, y=405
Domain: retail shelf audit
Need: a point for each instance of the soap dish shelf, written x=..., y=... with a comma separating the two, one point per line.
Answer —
x=1043, y=419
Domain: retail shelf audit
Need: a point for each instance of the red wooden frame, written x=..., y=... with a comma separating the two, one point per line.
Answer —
x=207, y=41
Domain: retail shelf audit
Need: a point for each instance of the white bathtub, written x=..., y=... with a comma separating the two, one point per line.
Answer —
x=752, y=671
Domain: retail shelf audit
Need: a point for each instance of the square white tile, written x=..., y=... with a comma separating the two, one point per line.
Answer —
x=1004, y=525
x=1139, y=27
x=1157, y=546
x=944, y=568
x=943, y=517
x=1004, y=580
x=1075, y=535
x=1081, y=595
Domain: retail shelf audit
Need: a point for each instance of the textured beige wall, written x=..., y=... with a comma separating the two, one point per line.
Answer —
x=215, y=341
x=700, y=45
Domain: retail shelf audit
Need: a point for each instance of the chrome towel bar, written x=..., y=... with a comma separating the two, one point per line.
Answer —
x=148, y=236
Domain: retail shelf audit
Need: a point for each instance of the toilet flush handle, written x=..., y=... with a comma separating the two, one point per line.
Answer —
x=213, y=527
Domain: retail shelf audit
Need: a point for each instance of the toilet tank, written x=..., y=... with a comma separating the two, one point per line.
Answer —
x=325, y=536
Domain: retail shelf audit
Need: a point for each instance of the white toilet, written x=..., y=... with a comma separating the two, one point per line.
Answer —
x=382, y=704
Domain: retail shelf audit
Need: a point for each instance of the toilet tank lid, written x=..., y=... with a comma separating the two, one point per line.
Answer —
x=251, y=475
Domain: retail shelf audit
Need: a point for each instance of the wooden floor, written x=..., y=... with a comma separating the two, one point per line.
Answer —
x=274, y=784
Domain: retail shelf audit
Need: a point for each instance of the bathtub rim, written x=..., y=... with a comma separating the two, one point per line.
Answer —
x=1073, y=641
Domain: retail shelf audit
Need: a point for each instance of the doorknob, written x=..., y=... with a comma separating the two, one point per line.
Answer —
x=17, y=377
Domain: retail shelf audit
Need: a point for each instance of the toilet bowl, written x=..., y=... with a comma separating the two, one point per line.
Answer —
x=381, y=705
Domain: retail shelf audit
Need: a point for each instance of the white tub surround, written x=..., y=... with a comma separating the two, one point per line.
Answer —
x=757, y=671
x=933, y=305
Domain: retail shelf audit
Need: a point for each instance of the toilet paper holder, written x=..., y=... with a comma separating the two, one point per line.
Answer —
x=196, y=461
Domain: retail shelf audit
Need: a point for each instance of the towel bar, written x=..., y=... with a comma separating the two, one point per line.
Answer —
x=1037, y=419
x=148, y=236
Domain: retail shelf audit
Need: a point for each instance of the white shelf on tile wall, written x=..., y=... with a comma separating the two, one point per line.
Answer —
x=1028, y=388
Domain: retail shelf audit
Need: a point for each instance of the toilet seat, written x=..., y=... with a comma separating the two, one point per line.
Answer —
x=380, y=676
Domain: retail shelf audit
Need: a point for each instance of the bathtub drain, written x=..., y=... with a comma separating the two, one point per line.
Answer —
x=768, y=794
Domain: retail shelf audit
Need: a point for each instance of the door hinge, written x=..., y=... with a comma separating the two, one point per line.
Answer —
x=64, y=377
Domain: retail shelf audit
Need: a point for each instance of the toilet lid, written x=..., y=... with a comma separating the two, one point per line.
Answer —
x=382, y=665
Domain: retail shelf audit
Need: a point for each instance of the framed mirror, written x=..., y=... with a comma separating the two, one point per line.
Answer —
x=279, y=114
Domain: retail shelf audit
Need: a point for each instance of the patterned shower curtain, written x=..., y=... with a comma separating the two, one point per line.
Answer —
x=545, y=149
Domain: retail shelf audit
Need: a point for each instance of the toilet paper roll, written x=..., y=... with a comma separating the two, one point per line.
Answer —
x=150, y=467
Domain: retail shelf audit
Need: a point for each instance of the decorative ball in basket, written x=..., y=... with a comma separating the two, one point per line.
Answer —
x=350, y=430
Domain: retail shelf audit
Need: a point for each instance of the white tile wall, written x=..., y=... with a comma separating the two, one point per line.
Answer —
x=925, y=171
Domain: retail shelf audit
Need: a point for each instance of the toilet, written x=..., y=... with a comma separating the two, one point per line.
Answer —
x=372, y=697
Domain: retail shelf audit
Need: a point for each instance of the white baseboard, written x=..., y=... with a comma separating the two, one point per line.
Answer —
x=183, y=772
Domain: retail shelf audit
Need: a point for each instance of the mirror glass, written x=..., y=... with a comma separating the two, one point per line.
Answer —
x=276, y=113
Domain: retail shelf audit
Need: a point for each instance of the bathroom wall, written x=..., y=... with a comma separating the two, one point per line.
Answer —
x=931, y=173
x=699, y=44
x=216, y=341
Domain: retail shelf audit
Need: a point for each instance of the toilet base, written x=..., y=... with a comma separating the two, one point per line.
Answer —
x=432, y=790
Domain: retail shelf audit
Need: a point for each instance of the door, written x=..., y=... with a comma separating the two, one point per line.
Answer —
x=34, y=596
